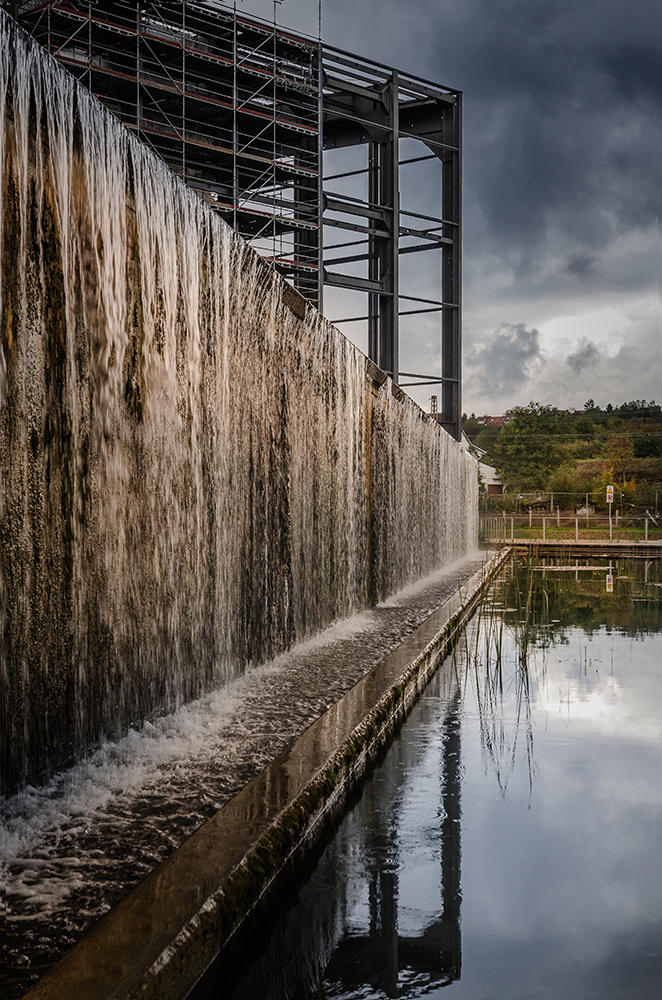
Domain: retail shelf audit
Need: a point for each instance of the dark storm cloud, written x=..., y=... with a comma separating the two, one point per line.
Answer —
x=560, y=130
x=585, y=356
x=561, y=175
x=582, y=265
x=502, y=362
x=561, y=100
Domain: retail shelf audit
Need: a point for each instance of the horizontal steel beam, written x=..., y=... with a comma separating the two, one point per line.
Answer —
x=425, y=234
x=350, y=281
x=418, y=159
x=429, y=380
x=349, y=319
x=406, y=82
x=348, y=173
x=430, y=302
x=332, y=204
x=416, y=312
x=355, y=228
x=418, y=375
x=348, y=260
x=341, y=246
x=420, y=247
x=345, y=87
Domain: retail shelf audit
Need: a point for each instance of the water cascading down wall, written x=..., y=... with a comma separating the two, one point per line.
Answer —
x=197, y=469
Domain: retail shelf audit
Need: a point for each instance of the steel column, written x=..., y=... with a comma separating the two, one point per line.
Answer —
x=451, y=279
x=389, y=196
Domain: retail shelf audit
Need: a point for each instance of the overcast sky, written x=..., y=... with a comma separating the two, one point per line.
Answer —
x=562, y=183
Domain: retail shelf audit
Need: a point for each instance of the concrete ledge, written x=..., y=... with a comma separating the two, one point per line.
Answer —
x=639, y=550
x=161, y=937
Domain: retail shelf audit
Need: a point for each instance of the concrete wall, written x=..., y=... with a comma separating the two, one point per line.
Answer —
x=197, y=469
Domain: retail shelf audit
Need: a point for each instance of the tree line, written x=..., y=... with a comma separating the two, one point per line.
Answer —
x=540, y=448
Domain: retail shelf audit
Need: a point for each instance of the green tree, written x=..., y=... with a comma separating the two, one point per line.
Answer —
x=487, y=438
x=531, y=446
x=470, y=426
x=648, y=445
x=620, y=453
x=584, y=427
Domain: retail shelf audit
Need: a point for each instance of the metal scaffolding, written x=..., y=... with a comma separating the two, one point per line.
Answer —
x=243, y=111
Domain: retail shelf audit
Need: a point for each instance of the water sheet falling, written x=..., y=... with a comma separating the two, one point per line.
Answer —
x=197, y=470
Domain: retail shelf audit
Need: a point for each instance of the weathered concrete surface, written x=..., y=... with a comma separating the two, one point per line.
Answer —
x=163, y=935
x=197, y=471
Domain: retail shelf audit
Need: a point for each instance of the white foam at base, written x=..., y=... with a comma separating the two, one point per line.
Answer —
x=131, y=764
x=138, y=760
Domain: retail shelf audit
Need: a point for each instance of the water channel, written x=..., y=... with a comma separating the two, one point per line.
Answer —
x=76, y=845
x=509, y=844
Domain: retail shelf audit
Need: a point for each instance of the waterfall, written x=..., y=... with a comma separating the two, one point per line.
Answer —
x=197, y=469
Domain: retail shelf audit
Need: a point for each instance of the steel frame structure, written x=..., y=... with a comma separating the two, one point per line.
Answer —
x=243, y=110
x=367, y=104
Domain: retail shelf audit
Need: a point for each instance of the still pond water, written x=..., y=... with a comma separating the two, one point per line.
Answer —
x=510, y=845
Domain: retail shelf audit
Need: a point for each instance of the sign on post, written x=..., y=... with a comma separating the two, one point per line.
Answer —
x=610, y=583
x=610, y=494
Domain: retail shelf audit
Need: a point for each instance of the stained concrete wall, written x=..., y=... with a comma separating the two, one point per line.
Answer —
x=197, y=469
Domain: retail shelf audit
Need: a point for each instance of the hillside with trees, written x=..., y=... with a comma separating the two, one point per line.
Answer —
x=541, y=450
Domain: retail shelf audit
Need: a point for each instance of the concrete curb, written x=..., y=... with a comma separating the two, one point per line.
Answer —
x=159, y=939
x=561, y=547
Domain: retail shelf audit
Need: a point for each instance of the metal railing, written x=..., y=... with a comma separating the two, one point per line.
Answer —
x=570, y=527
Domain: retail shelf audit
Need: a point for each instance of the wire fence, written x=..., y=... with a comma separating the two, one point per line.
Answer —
x=636, y=500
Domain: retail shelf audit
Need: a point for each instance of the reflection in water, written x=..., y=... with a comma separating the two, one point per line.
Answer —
x=361, y=923
x=487, y=671
x=561, y=892
x=380, y=953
